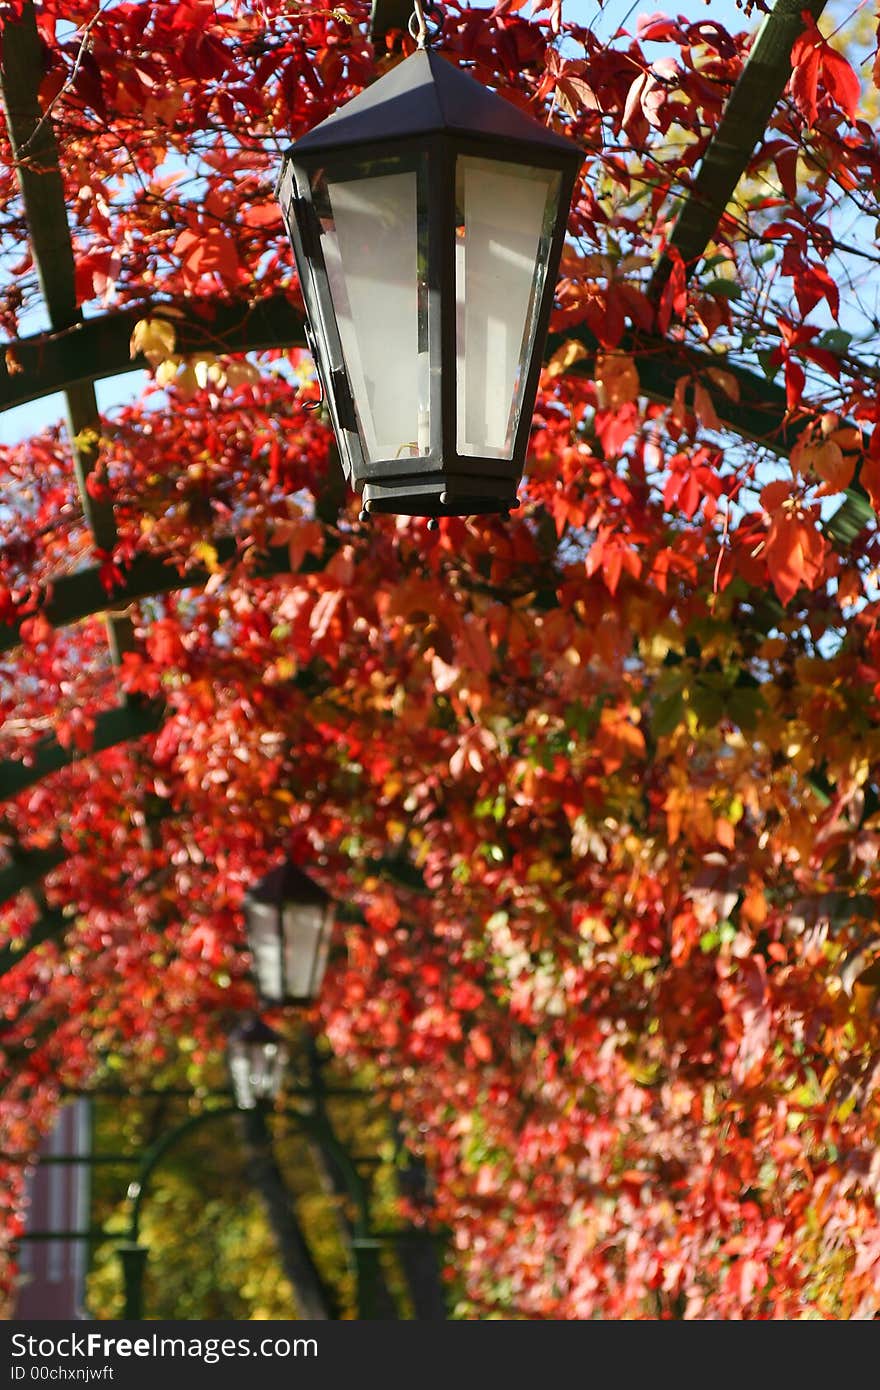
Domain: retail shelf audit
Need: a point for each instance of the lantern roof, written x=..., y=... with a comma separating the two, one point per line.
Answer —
x=427, y=95
x=286, y=884
x=254, y=1030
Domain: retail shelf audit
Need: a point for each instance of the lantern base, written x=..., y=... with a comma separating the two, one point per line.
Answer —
x=414, y=496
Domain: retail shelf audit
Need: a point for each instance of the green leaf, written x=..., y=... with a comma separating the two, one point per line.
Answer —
x=707, y=704
x=835, y=340
x=724, y=289
x=668, y=714
x=744, y=704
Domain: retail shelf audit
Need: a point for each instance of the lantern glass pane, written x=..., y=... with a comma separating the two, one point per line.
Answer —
x=256, y=1070
x=240, y=1074
x=374, y=243
x=505, y=216
x=304, y=949
x=265, y=943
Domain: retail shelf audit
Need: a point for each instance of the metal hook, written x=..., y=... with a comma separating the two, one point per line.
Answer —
x=417, y=26
x=417, y=18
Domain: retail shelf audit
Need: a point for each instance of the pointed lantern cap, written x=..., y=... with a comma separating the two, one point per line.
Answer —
x=426, y=95
x=254, y=1030
x=287, y=884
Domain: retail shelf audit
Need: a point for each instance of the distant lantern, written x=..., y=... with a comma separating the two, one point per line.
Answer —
x=427, y=218
x=289, y=922
x=256, y=1057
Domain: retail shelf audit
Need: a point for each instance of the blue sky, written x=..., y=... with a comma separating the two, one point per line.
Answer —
x=614, y=14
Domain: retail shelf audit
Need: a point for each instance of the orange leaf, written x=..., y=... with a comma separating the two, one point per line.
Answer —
x=774, y=495
x=726, y=381
x=617, y=379
x=870, y=478
x=704, y=409
x=724, y=833
x=480, y=1044
x=616, y=739
x=827, y=459
x=795, y=552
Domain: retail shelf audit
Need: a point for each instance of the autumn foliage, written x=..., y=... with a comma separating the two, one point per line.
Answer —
x=597, y=785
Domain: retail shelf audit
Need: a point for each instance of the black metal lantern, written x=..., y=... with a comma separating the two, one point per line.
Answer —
x=256, y=1057
x=427, y=218
x=289, y=921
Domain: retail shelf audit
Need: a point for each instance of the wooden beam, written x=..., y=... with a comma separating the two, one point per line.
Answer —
x=36, y=156
x=35, y=151
x=42, y=189
x=758, y=415
x=50, y=927
x=94, y=349
x=743, y=123
x=28, y=867
x=82, y=595
x=386, y=15
x=113, y=726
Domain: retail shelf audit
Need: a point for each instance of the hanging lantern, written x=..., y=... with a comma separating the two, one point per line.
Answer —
x=289, y=922
x=427, y=218
x=256, y=1058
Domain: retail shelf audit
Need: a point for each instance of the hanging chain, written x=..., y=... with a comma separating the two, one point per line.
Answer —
x=417, y=27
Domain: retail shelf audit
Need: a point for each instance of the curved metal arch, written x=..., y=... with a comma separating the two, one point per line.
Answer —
x=317, y=1126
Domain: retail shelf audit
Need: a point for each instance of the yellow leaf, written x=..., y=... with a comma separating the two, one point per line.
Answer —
x=206, y=552
x=154, y=338
x=166, y=371
x=565, y=357
x=186, y=383
x=86, y=441
x=241, y=373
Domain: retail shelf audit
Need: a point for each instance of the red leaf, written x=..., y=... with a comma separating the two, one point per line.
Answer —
x=795, y=381
x=841, y=80
x=869, y=475
x=466, y=996
x=805, y=62
x=673, y=301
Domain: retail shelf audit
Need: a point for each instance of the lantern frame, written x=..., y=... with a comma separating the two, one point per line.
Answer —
x=251, y=1036
x=446, y=115
x=273, y=904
